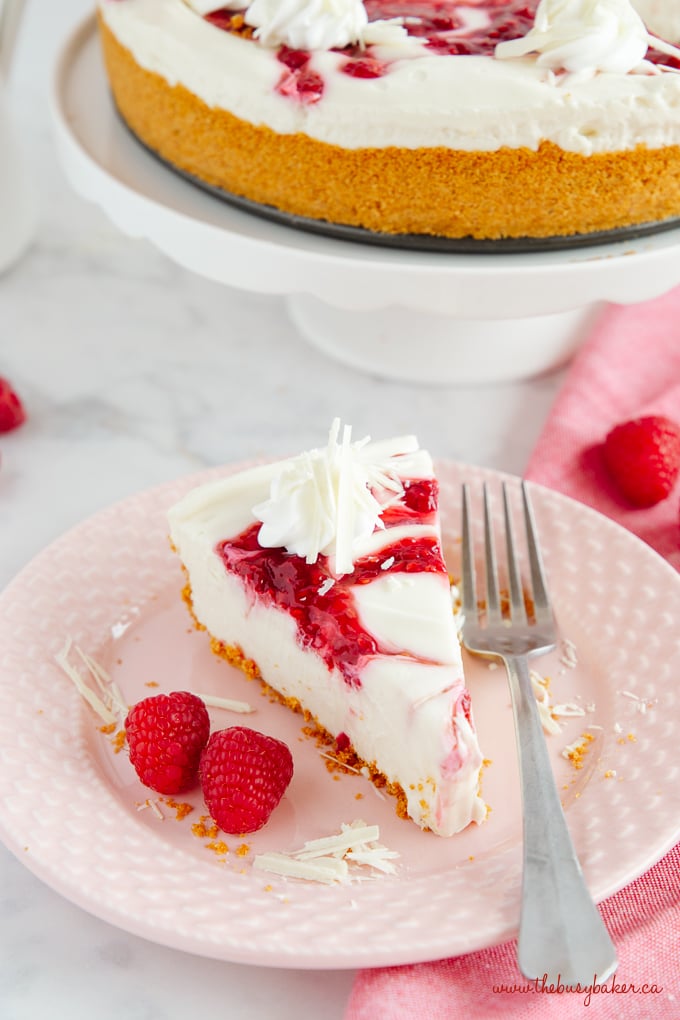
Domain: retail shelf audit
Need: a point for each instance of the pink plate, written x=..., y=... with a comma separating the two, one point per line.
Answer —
x=69, y=805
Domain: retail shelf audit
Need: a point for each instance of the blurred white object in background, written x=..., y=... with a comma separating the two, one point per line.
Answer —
x=18, y=207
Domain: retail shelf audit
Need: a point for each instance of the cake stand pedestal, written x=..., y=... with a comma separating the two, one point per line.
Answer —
x=427, y=317
x=419, y=346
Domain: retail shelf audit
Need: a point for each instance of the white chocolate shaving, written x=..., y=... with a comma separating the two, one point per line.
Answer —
x=568, y=711
x=228, y=704
x=156, y=810
x=323, y=501
x=568, y=656
x=341, y=842
x=376, y=857
x=327, y=859
x=571, y=749
x=110, y=706
x=540, y=687
x=327, y=871
x=639, y=704
x=151, y=805
x=341, y=764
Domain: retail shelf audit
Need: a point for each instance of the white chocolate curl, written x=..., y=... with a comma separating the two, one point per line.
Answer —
x=323, y=503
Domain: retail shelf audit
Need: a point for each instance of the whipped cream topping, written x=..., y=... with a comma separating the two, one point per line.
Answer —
x=322, y=501
x=473, y=103
x=585, y=37
x=311, y=24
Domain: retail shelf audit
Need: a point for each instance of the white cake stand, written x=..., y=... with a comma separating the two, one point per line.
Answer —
x=425, y=317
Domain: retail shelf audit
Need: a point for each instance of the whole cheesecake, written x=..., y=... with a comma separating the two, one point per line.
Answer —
x=323, y=576
x=480, y=119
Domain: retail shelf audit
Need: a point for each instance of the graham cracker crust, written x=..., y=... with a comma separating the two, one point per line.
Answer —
x=508, y=193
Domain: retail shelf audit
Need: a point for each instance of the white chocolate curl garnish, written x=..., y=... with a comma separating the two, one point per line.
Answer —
x=323, y=501
x=586, y=37
x=319, y=24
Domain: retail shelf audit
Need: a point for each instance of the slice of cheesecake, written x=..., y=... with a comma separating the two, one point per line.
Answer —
x=323, y=575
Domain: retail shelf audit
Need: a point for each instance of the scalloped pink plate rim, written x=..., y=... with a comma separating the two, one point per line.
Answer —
x=73, y=812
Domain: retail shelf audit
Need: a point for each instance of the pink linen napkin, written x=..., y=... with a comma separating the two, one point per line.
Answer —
x=629, y=366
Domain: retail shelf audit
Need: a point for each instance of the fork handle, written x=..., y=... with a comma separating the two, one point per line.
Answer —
x=561, y=936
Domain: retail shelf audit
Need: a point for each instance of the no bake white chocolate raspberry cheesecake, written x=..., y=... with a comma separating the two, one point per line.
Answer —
x=482, y=119
x=324, y=576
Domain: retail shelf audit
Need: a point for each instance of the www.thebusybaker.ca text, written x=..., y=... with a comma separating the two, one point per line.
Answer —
x=610, y=987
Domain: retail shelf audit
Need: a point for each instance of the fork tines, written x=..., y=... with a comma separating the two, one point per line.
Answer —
x=537, y=596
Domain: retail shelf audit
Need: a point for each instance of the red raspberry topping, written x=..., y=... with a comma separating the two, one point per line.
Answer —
x=326, y=622
x=12, y=412
x=643, y=458
x=342, y=742
x=464, y=705
x=244, y=774
x=166, y=734
x=294, y=59
x=302, y=84
x=222, y=18
x=441, y=24
x=367, y=67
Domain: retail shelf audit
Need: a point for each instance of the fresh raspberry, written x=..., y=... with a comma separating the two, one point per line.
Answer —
x=244, y=774
x=166, y=734
x=643, y=458
x=12, y=412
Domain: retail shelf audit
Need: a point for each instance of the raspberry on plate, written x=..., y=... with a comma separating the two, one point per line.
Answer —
x=244, y=774
x=12, y=412
x=166, y=734
x=643, y=458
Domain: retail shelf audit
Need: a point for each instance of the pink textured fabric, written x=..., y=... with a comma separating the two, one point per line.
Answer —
x=629, y=366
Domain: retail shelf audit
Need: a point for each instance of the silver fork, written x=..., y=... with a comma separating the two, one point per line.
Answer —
x=561, y=934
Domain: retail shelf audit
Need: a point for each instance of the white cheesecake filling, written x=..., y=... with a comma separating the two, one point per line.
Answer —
x=472, y=103
x=317, y=24
x=407, y=713
x=386, y=610
x=662, y=17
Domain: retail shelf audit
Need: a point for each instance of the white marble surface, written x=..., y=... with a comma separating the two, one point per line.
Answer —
x=134, y=371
